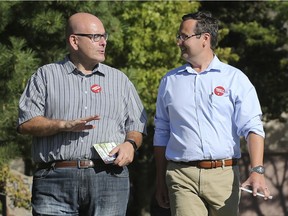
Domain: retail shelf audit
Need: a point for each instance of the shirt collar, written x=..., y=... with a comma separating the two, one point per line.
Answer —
x=70, y=67
x=214, y=66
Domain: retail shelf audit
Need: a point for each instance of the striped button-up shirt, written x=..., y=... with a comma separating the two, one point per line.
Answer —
x=60, y=91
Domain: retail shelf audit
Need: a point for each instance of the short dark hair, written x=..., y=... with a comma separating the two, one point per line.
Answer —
x=205, y=23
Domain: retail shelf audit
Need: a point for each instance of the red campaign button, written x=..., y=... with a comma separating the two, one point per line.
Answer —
x=96, y=88
x=219, y=91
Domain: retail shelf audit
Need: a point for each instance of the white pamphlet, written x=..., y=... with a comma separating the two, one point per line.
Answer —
x=103, y=150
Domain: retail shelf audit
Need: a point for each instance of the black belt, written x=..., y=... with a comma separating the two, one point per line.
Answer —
x=80, y=164
x=209, y=164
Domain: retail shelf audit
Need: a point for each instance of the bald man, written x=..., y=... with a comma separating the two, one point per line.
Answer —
x=71, y=108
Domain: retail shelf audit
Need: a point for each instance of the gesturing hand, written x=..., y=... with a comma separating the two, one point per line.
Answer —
x=80, y=124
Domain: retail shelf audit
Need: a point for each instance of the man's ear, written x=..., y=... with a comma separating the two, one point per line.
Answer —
x=206, y=39
x=73, y=42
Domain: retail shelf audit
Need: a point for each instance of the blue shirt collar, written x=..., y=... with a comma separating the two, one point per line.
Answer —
x=214, y=66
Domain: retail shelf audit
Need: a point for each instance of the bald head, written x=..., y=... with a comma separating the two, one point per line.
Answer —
x=83, y=23
x=84, y=51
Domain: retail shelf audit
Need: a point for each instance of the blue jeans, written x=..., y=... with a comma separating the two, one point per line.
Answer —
x=99, y=191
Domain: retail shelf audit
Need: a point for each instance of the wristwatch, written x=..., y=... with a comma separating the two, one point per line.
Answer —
x=258, y=169
x=133, y=143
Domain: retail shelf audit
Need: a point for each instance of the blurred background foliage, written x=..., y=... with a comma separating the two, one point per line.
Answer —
x=252, y=37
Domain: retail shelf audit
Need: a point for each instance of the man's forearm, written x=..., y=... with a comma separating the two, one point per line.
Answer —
x=41, y=126
x=161, y=162
x=256, y=149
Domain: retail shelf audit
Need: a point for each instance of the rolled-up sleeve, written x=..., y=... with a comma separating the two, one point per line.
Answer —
x=161, y=120
x=248, y=112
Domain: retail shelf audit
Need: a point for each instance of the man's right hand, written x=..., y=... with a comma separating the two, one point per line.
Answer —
x=162, y=195
x=79, y=124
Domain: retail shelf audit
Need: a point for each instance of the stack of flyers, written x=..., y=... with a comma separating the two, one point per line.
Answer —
x=103, y=150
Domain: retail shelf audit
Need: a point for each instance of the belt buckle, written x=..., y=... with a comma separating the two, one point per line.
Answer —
x=79, y=166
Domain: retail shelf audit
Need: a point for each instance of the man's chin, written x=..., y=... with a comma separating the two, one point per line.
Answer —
x=101, y=59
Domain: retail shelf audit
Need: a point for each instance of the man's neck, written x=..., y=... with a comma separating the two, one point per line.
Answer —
x=201, y=63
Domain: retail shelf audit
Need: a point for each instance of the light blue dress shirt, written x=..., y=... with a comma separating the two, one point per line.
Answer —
x=202, y=116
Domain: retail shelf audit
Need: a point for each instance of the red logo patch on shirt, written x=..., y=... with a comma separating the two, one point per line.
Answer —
x=96, y=88
x=219, y=91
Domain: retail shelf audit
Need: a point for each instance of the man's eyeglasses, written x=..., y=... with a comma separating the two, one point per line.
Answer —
x=94, y=37
x=186, y=37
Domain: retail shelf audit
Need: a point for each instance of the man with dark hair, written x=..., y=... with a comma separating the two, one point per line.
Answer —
x=203, y=108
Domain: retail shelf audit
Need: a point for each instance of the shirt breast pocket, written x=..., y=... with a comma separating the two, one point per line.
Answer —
x=220, y=102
